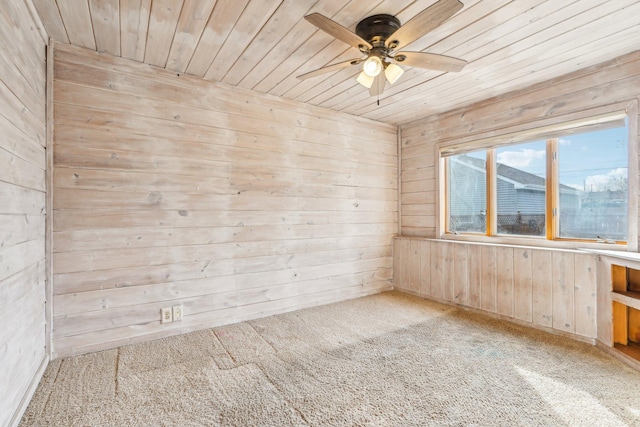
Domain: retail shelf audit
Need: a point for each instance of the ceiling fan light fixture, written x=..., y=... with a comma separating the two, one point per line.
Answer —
x=372, y=66
x=365, y=80
x=393, y=73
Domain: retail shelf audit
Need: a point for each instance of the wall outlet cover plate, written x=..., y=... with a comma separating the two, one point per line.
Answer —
x=166, y=315
x=177, y=313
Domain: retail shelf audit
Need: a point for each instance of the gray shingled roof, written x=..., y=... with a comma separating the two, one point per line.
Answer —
x=508, y=172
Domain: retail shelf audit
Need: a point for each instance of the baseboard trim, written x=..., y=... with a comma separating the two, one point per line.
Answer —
x=572, y=336
x=33, y=386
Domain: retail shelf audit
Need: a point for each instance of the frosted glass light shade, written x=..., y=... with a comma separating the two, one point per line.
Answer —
x=372, y=66
x=365, y=80
x=393, y=73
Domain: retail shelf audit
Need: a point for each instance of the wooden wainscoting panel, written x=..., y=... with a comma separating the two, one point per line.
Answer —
x=488, y=289
x=522, y=284
x=425, y=268
x=437, y=269
x=585, y=295
x=414, y=266
x=504, y=281
x=448, y=270
x=563, y=274
x=460, y=276
x=542, y=287
x=474, y=267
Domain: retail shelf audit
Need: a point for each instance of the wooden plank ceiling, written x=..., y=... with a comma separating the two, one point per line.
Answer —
x=264, y=44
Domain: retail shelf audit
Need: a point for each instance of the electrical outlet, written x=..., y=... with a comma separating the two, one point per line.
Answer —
x=166, y=315
x=177, y=313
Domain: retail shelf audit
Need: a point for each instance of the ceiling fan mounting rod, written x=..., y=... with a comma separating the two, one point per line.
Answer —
x=377, y=29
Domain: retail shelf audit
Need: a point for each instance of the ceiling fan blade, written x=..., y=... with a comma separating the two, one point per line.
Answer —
x=427, y=20
x=338, y=31
x=329, y=68
x=378, y=85
x=430, y=61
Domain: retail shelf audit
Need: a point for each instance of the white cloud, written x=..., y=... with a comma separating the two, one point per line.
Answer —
x=520, y=159
x=613, y=180
x=562, y=141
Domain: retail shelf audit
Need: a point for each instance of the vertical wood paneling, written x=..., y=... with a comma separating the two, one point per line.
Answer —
x=271, y=37
x=195, y=15
x=22, y=207
x=222, y=20
x=488, y=277
x=253, y=17
x=522, y=284
x=398, y=269
x=585, y=295
x=542, y=285
x=403, y=277
x=563, y=267
x=235, y=205
x=77, y=21
x=474, y=263
x=414, y=266
x=50, y=15
x=105, y=16
x=504, y=280
x=134, y=22
x=460, y=280
x=604, y=311
x=425, y=268
x=448, y=271
x=437, y=269
x=163, y=20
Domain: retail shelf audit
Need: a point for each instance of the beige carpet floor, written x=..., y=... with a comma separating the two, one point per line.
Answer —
x=384, y=360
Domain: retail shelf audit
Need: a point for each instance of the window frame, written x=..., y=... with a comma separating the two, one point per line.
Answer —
x=548, y=130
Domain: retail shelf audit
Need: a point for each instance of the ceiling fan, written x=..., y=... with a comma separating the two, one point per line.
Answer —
x=379, y=37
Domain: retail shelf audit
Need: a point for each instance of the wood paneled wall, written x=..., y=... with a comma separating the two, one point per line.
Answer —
x=172, y=190
x=592, y=89
x=22, y=206
x=544, y=288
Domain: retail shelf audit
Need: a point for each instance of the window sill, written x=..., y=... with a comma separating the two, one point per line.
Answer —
x=533, y=242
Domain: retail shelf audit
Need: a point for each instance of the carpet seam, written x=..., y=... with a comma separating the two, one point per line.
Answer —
x=282, y=395
x=117, y=374
x=262, y=338
x=233, y=359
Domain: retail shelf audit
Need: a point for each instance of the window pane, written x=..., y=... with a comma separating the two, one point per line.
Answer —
x=467, y=187
x=521, y=193
x=593, y=185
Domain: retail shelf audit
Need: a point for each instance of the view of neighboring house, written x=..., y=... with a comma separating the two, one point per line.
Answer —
x=521, y=201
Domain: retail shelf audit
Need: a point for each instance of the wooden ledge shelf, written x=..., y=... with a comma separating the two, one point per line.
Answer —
x=630, y=298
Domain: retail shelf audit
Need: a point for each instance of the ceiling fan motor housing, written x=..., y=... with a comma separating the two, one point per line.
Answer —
x=376, y=29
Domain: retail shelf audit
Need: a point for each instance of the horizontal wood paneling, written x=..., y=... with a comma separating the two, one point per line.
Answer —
x=264, y=45
x=22, y=207
x=173, y=190
x=592, y=88
x=542, y=287
x=546, y=288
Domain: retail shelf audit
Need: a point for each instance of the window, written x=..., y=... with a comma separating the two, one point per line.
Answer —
x=521, y=189
x=569, y=184
x=468, y=197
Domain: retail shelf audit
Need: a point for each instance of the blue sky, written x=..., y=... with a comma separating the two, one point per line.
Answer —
x=595, y=161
